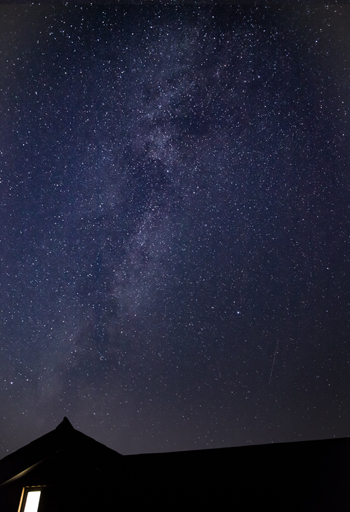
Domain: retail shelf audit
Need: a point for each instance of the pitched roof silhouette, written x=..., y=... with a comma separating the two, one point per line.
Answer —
x=83, y=474
x=66, y=439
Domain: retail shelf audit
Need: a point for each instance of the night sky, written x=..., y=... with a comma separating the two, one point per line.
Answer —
x=174, y=224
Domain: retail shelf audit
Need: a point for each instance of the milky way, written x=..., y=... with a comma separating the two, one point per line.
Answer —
x=174, y=224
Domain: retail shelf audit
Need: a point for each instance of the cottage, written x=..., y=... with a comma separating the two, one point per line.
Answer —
x=65, y=470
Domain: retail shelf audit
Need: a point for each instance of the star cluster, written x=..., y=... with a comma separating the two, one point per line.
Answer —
x=174, y=227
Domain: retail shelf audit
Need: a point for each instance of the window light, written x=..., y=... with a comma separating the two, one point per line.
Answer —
x=31, y=500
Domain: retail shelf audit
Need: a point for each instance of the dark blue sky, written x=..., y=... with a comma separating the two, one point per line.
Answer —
x=174, y=224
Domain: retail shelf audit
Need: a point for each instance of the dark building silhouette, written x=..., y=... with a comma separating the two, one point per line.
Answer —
x=74, y=472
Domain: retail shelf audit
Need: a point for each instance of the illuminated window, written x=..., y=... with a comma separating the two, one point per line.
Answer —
x=30, y=499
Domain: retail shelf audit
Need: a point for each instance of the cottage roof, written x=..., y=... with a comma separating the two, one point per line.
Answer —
x=300, y=476
x=64, y=442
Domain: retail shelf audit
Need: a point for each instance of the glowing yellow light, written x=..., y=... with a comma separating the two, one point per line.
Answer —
x=32, y=501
